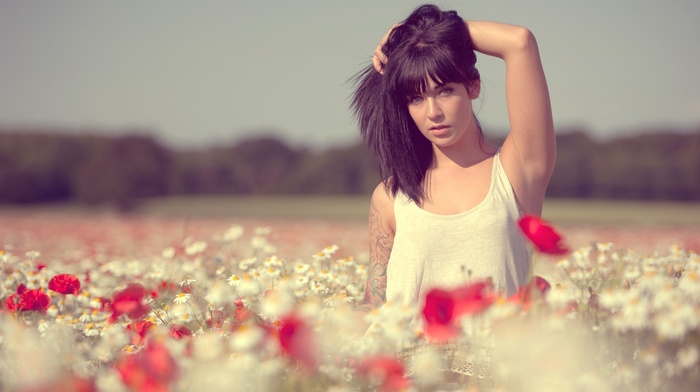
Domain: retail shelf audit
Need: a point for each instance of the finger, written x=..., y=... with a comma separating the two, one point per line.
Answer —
x=379, y=59
x=377, y=64
x=380, y=55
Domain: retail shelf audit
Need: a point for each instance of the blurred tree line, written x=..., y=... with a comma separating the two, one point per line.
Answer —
x=38, y=167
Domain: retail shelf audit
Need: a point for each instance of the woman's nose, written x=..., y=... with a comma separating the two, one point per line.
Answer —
x=434, y=111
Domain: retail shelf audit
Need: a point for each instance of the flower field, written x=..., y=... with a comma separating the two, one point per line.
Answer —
x=141, y=303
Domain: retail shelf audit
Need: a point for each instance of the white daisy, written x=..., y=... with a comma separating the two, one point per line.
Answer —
x=245, y=338
x=168, y=253
x=195, y=247
x=265, y=230
x=258, y=242
x=220, y=270
x=273, y=272
x=91, y=330
x=33, y=254
x=234, y=280
x=301, y=268
x=301, y=280
x=85, y=317
x=273, y=261
x=182, y=298
x=233, y=233
x=246, y=263
x=426, y=365
x=187, y=282
x=329, y=250
x=687, y=356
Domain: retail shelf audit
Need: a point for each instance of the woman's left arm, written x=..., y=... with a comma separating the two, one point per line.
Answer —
x=529, y=152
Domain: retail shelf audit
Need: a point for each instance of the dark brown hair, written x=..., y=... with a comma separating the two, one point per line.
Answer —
x=430, y=43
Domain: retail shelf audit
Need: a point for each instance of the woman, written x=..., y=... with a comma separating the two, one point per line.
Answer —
x=448, y=205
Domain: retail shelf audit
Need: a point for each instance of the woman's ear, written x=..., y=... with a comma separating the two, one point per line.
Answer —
x=474, y=88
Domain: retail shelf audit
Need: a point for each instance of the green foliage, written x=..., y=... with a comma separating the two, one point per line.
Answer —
x=39, y=167
x=46, y=167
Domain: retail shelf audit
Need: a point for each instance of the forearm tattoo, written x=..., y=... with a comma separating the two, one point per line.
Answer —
x=381, y=242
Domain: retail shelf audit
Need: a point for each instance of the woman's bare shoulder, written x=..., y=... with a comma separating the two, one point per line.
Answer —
x=382, y=206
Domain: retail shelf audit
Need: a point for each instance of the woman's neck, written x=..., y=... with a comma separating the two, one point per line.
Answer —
x=466, y=152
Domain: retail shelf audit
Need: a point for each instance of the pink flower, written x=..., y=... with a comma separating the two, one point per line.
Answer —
x=542, y=235
x=65, y=284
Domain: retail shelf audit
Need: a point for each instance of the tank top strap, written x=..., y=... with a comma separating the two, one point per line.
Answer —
x=502, y=184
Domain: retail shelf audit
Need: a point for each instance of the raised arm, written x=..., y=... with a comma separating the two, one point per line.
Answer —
x=381, y=240
x=529, y=152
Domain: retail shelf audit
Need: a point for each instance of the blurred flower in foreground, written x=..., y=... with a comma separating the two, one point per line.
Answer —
x=542, y=235
x=128, y=301
x=296, y=340
x=65, y=284
x=443, y=308
x=525, y=294
x=151, y=369
x=388, y=371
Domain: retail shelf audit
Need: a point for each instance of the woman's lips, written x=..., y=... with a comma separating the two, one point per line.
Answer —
x=439, y=130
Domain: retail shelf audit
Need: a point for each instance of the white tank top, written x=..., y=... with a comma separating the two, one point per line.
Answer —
x=432, y=250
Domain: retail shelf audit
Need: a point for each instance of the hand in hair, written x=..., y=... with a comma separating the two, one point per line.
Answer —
x=379, y=59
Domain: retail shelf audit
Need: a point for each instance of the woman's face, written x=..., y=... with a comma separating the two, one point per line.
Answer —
x=443, y=113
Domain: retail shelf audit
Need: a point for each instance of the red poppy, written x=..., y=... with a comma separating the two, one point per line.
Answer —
x=151, y=369
x=180, y=331
x=33, y=300
x=472, y=298
x=296, y=340
x=11, y=302
x=438, y=312
x=65, y=284
x=524, y=294
x=542, y=235
x=129, y=301
x=241, y=315
x=216, y=320
x=139, y=328
x=443, y=308
x=388, y=369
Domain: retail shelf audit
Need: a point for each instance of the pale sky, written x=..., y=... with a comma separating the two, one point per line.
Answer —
x=198, y=73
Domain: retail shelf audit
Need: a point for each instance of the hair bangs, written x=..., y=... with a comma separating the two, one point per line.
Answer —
x=411, y=75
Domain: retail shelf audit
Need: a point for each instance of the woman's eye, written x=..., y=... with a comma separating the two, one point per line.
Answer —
x=446, y=91
x=415, y=100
